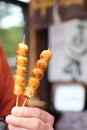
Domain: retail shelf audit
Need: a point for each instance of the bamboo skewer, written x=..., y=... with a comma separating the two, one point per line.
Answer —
x=17, y=98
x=24, y=39
x=24, y=102
x=17, y=95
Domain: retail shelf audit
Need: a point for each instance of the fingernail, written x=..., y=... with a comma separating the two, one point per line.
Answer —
x=8, y=119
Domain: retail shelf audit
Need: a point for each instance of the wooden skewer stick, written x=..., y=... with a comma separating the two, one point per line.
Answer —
x=17, y=98
x=24, y=39
x=50, y=46
x=24, y=102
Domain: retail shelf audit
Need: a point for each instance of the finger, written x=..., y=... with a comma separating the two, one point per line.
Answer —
x=34, y=113
x=12, y=127
x=28, y=123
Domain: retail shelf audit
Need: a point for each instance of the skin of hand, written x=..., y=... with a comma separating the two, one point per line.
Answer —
x=29, y=118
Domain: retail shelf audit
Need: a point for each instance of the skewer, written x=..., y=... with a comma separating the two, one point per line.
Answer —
x=50, y=46
x=20, y=64
x=24, y=39
x=17, y=98
x=24, y=102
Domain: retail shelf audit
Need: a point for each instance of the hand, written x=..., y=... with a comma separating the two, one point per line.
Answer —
x=27, y=118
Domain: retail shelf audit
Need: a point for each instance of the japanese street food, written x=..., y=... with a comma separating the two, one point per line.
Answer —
x=37, y=73
x=21, y=84
x=22, y=49
x=21, y=68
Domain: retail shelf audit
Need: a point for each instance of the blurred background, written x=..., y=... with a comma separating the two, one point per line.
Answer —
x=61, y=25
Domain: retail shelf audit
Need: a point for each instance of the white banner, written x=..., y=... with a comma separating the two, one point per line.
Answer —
x=69, y=47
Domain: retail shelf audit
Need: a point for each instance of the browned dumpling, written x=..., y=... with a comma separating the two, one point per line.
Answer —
x=19, y=80
x=37, y=73
x=33, y=82
x=21, y=71
x=18, y=89
x=22, y=49
x=29, y=92
x=41, y=64
x=21, y=61
x=46, y=55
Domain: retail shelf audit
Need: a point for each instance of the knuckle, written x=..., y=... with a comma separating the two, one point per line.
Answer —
x=39, y=113
x=49, y=127
x=37, y=124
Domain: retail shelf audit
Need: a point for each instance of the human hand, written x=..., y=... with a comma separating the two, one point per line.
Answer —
x=27, y=118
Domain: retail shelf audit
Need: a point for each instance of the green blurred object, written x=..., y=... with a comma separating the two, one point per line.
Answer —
x=9, y=38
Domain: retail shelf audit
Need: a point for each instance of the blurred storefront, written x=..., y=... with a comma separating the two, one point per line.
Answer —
x=61, y=24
